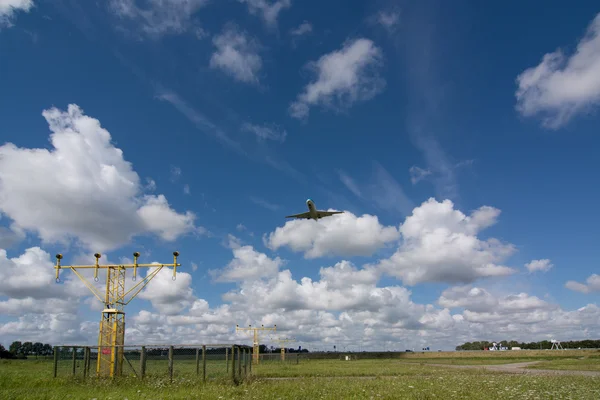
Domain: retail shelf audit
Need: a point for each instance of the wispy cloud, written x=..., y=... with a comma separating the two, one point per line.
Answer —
x=388, y=18
x=8, y=8
x=200, y=120
x=268, y=11
x=382, y=190
x=159, y=17
x=303, y=29
x=349, y=183
x=387, y=193
x=265, y=132
x=264, y=203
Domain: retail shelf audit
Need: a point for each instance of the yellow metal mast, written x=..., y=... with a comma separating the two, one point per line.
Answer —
x=111, y=335
x=255, y=347
x=281, y=342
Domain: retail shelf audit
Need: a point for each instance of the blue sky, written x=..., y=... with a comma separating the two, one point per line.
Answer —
x=396, y=103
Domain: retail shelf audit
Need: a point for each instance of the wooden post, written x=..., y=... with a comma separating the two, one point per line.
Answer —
x=143, y=363
x=55, y=361
x=171, y=363
x=203, y=363
x=297, y=357
x=198, y=361
x=86, y=361
x=233, y=363
x=74, y=359
x=226, y=359
x=245, y=362
x=239, y=356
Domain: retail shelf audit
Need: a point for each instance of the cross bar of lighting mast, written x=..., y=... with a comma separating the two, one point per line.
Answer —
x=255, y=345
x=112, y=325
x=281, y=342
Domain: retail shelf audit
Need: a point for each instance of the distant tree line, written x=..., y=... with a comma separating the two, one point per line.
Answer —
x=544, y=344
x=18, y=349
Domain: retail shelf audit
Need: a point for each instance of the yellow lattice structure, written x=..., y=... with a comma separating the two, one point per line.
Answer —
x=111, y=336
x=255, y=344
x=282, y=342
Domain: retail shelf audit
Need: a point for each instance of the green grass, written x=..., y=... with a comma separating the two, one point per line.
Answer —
x=395, y=379
x=467, y=361
x=572, y=364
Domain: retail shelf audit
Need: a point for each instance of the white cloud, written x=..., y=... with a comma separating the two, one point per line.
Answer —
x=186, y=189
x=440, y=244
x=304, y=28
x=559, y=87
x=237, y=54
x=269, y=11
x=343, y=77
x=8, y=8
x=264, y=132
x=344, y=307
x=247, y=264
x=82, y=188
x=167, y=296
x=539, y=265
x=159, y=16
x=342, y=235
x=592, y=285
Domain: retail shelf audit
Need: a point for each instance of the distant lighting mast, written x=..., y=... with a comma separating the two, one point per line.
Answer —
x=111, y=336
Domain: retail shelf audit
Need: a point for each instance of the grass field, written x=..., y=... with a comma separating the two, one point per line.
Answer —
x=405, y=377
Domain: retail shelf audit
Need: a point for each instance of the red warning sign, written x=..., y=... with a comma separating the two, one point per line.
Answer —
x=106, y=350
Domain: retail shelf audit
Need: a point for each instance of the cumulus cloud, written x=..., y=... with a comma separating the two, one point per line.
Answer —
x=343, y=77
x=592, y=285
x=237, y=54
x=561, y=87
x=247, y=264
x=82, y=188
x=440, y=244
x=159, y=16
x=342, y=235
x=268, y=10
x=343, y=307
x=8, y=8
x=539, y=265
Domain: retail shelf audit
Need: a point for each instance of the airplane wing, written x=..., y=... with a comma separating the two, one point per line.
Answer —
x=328, y=213
x=303, y=215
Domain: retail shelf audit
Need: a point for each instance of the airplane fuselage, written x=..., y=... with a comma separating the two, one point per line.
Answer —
x=312, y=209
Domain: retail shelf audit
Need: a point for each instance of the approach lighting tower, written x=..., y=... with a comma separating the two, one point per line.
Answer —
x=556, y=345
x=111, y=335
x=255, y=345
x=282, y=342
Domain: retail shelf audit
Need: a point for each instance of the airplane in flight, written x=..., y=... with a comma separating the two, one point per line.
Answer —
x=313, y=212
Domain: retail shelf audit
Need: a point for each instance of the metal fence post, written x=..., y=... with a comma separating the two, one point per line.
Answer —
x=204, y=363
x=55, y=361
x=226, y=359
x=143, y=363
x=171, y=363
